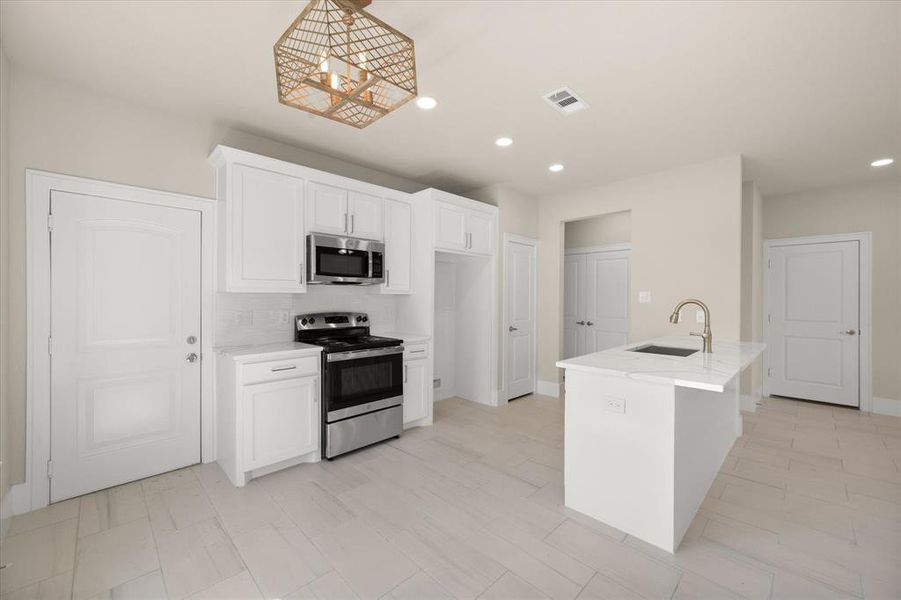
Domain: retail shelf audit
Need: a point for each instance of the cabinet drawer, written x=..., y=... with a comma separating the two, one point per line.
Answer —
x=414, y=351
x=275, y=370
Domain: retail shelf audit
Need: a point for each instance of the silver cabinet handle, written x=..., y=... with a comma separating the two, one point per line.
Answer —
x=345, y=222
x=351, y=223
x=192, y=357
x=405, y=373
x=589, y=323
x=388, y=277
x=512, y=328
x=850, y=332
x=285, y=368
x=580, y=322
x=416, y=351
x=300, y=276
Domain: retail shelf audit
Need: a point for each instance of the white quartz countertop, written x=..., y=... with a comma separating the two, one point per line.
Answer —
x=275, y=350
x=701, y=371
x=406, y=336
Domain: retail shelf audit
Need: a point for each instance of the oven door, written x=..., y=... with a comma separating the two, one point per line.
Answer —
x=344, y=260
x=362, y=381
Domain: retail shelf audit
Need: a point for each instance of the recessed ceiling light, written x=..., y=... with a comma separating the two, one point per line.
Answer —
x=503, y=142
x=555, y=168
x=426, y=102
x=882, y=162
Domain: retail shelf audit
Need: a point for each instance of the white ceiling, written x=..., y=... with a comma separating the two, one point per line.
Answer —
x=808, y=92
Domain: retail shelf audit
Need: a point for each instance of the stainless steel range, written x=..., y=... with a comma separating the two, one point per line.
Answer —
x=362, y=380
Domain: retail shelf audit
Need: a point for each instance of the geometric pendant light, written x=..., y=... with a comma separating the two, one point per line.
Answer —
x=338, y=61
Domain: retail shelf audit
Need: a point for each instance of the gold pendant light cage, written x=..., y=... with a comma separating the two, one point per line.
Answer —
x=338, y=61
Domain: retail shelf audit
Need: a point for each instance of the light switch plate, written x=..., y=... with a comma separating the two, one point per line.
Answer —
x=644, y=297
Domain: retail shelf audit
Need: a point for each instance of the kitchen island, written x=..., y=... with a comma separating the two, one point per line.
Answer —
x=646, y=434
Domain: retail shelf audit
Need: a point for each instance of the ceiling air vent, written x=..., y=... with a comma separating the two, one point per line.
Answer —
x=565, y=101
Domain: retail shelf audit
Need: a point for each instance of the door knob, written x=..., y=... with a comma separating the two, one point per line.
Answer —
x=192, y=357
x=580, y=322
x=512, y=328
x=850, y=332
x=590, y=323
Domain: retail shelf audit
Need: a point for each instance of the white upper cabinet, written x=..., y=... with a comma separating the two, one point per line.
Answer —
x=464, y=225
x=398, y=247
x=365, y=213
x=327, y=209
x=450, y=226
x=342, y=211
x=263, y=222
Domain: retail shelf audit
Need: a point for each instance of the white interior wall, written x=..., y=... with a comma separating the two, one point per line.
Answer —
x=445, y=345
x=612, y=228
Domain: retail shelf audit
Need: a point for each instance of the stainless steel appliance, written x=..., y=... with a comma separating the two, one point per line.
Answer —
x=337, y=260
x=362, y=380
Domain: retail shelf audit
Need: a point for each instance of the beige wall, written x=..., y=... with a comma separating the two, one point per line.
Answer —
x=686, y=241
x=517, y=214
x=4, y=275
x=751, y=280
x=867, y=207
x=614, y=228
x=60, y=128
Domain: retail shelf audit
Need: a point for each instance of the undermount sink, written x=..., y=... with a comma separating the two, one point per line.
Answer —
x=665, y=350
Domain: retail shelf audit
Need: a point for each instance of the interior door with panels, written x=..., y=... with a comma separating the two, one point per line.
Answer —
x=813, y=322
x=573, y=298
x=268, y=224
x=606, y=305
x=125, y=311
x=519, y=297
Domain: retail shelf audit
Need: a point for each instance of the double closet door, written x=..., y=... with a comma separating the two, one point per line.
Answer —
x=595, y=302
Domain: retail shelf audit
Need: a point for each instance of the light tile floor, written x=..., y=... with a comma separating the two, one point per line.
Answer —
x=808, y=505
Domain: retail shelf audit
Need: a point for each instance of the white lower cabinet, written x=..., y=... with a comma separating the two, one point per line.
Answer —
x=267, y=413
x=417, y=386
x=280, y=420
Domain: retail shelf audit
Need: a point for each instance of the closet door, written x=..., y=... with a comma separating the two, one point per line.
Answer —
x=606, y=311
x=573, y=301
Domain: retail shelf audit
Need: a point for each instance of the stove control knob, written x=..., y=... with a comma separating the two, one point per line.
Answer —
x=312, y=320
x=359, y=318
x=365, y=319
x=303, y=321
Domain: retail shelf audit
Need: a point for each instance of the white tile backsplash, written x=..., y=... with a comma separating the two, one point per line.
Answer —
x=263, y=318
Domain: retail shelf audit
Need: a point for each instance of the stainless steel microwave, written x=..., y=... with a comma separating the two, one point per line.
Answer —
x=338, y=260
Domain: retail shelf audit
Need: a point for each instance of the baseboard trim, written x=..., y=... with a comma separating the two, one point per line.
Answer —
x=887, y=406
x=548, y=388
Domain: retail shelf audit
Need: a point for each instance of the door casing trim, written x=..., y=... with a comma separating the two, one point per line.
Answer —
x=533, y=243
x=865, y=241
x=38, y=186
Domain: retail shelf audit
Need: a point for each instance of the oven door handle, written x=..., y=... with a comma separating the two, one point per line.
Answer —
x=354, y=354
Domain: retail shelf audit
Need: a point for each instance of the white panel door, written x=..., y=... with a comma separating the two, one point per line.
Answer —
x=606, y=310
x=573, y=300
x=125, y=402
x=328, y=209
x=416, y=393
x=281, y=420
x=450, y=226
x=365, y=216
x=814, y=300
x=519, y=298
x=398, y=247
x=268, y=213
x=481, y=232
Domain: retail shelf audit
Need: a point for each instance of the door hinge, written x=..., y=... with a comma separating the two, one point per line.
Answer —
x=49, y=221
x=769, y=318
x=50, y=469
x=769, y=263
x=50, y=345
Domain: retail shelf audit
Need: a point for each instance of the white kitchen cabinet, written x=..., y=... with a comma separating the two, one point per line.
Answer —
x=464, y=225
x=281, y=420
x=327, y=209
x=398, y=247
x=450, y=226
x=365, y=215
x=417, y=386
x=342, y=211
x=267, y=413
x=262, y=231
